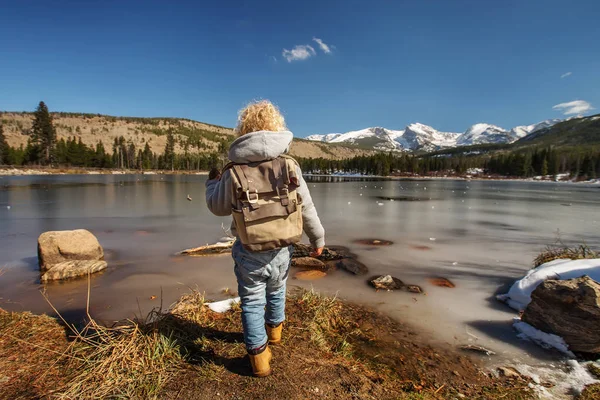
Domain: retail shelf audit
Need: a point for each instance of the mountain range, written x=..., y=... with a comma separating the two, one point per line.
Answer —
x=420, y=137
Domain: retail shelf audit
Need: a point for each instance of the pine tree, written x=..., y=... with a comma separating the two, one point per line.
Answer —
x=3, y=147
x=169, y=156
x=544, y=168
x=43, y=135
x=147, y=157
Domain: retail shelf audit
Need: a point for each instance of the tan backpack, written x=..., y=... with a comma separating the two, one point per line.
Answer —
x=267, y=211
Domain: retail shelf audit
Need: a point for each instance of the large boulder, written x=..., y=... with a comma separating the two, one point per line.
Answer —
x=570, y=309
x=55, y=247
x=67, y=254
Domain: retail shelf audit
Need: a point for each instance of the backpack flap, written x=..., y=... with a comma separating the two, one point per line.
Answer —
x=267, y=213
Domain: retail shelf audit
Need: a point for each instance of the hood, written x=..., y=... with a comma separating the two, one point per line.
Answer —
x=260, y=146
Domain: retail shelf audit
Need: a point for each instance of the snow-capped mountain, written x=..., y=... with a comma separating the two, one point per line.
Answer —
x=323, y=138
x=423, y=137
x=376, y=138
x=521, y=131
x=482, y=134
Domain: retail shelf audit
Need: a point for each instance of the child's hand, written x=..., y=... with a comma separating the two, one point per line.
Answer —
x=316, y=252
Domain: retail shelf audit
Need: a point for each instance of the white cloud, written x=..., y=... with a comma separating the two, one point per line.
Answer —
x=299, y=52
x=574, y=107
x=273, y=58
x=322, y=45
x=566, y=74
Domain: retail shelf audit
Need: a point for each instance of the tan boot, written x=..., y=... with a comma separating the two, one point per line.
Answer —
x=274, y=333
x=261, y=362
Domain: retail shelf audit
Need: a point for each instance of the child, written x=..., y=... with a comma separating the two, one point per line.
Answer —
x=262, y=265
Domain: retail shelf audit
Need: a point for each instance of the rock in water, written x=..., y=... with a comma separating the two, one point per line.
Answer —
x=309, y=263
x=353, y=266
x=442, y=282
x=72, y=269
x=309, y=275
x=329, y=254
x=569, y=309
x=55, y=247
x=386, y=282
x=68, y=254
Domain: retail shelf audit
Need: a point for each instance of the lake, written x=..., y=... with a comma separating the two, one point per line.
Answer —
x=481, y=235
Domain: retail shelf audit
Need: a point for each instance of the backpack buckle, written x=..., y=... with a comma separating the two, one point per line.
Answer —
x=283, y=192
x=283, y=195
x=250, y=199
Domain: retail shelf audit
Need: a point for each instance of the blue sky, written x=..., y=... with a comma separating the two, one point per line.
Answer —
x=448, y=64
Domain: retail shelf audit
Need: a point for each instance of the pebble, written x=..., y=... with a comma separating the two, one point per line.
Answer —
x=8, y=207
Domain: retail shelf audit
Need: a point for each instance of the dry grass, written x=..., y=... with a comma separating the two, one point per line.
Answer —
x=329, y=330
x=189, y=351
x=594, y=369
x=591, y=392
x=552, y=253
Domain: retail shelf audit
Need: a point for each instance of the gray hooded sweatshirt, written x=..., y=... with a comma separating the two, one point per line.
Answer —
x=261, y=146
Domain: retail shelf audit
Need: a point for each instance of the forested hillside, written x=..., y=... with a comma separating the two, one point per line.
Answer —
x=102, y=141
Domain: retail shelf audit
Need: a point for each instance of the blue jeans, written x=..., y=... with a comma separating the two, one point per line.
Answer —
x=261, y=280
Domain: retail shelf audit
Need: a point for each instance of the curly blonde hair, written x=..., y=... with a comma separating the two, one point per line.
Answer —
x=260, y=115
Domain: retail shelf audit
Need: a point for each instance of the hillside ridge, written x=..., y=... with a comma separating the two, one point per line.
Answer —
x=191, y=136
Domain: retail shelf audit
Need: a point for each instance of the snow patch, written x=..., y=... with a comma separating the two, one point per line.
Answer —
x=223, y=305
x=567, y=377
x=519, y=295
x=543, y=339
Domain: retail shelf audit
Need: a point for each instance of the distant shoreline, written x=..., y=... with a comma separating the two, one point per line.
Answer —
x=41, y=171
x=457, y=178
x=26, y=171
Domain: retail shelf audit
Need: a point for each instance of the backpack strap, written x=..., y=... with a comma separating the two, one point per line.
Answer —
x=282, y=180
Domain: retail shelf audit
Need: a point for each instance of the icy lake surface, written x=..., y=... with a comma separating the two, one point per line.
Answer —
x=481, y=235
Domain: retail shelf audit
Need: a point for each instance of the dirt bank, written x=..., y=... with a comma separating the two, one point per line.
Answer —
x=330, y=349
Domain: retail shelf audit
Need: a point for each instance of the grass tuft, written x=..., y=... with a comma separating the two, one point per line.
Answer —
x=132, y=361
x=552, y=253
x=591, y=392
x=328, y=329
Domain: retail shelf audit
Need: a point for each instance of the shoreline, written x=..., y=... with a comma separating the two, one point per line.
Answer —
x=344, y=351
x=453, y=178
x=37, y=171
x=26, y=171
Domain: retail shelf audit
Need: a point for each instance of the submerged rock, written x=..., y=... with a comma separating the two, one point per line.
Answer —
x=386, y=282
x=328, y=254
x=374, y=242
x=353, y=266
x=569, y=309
x=309, y=275
x=309, y=263
x=413, y=289
x=68, y=254
x=442, y=282
x=55, y=247
x=73, y=269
